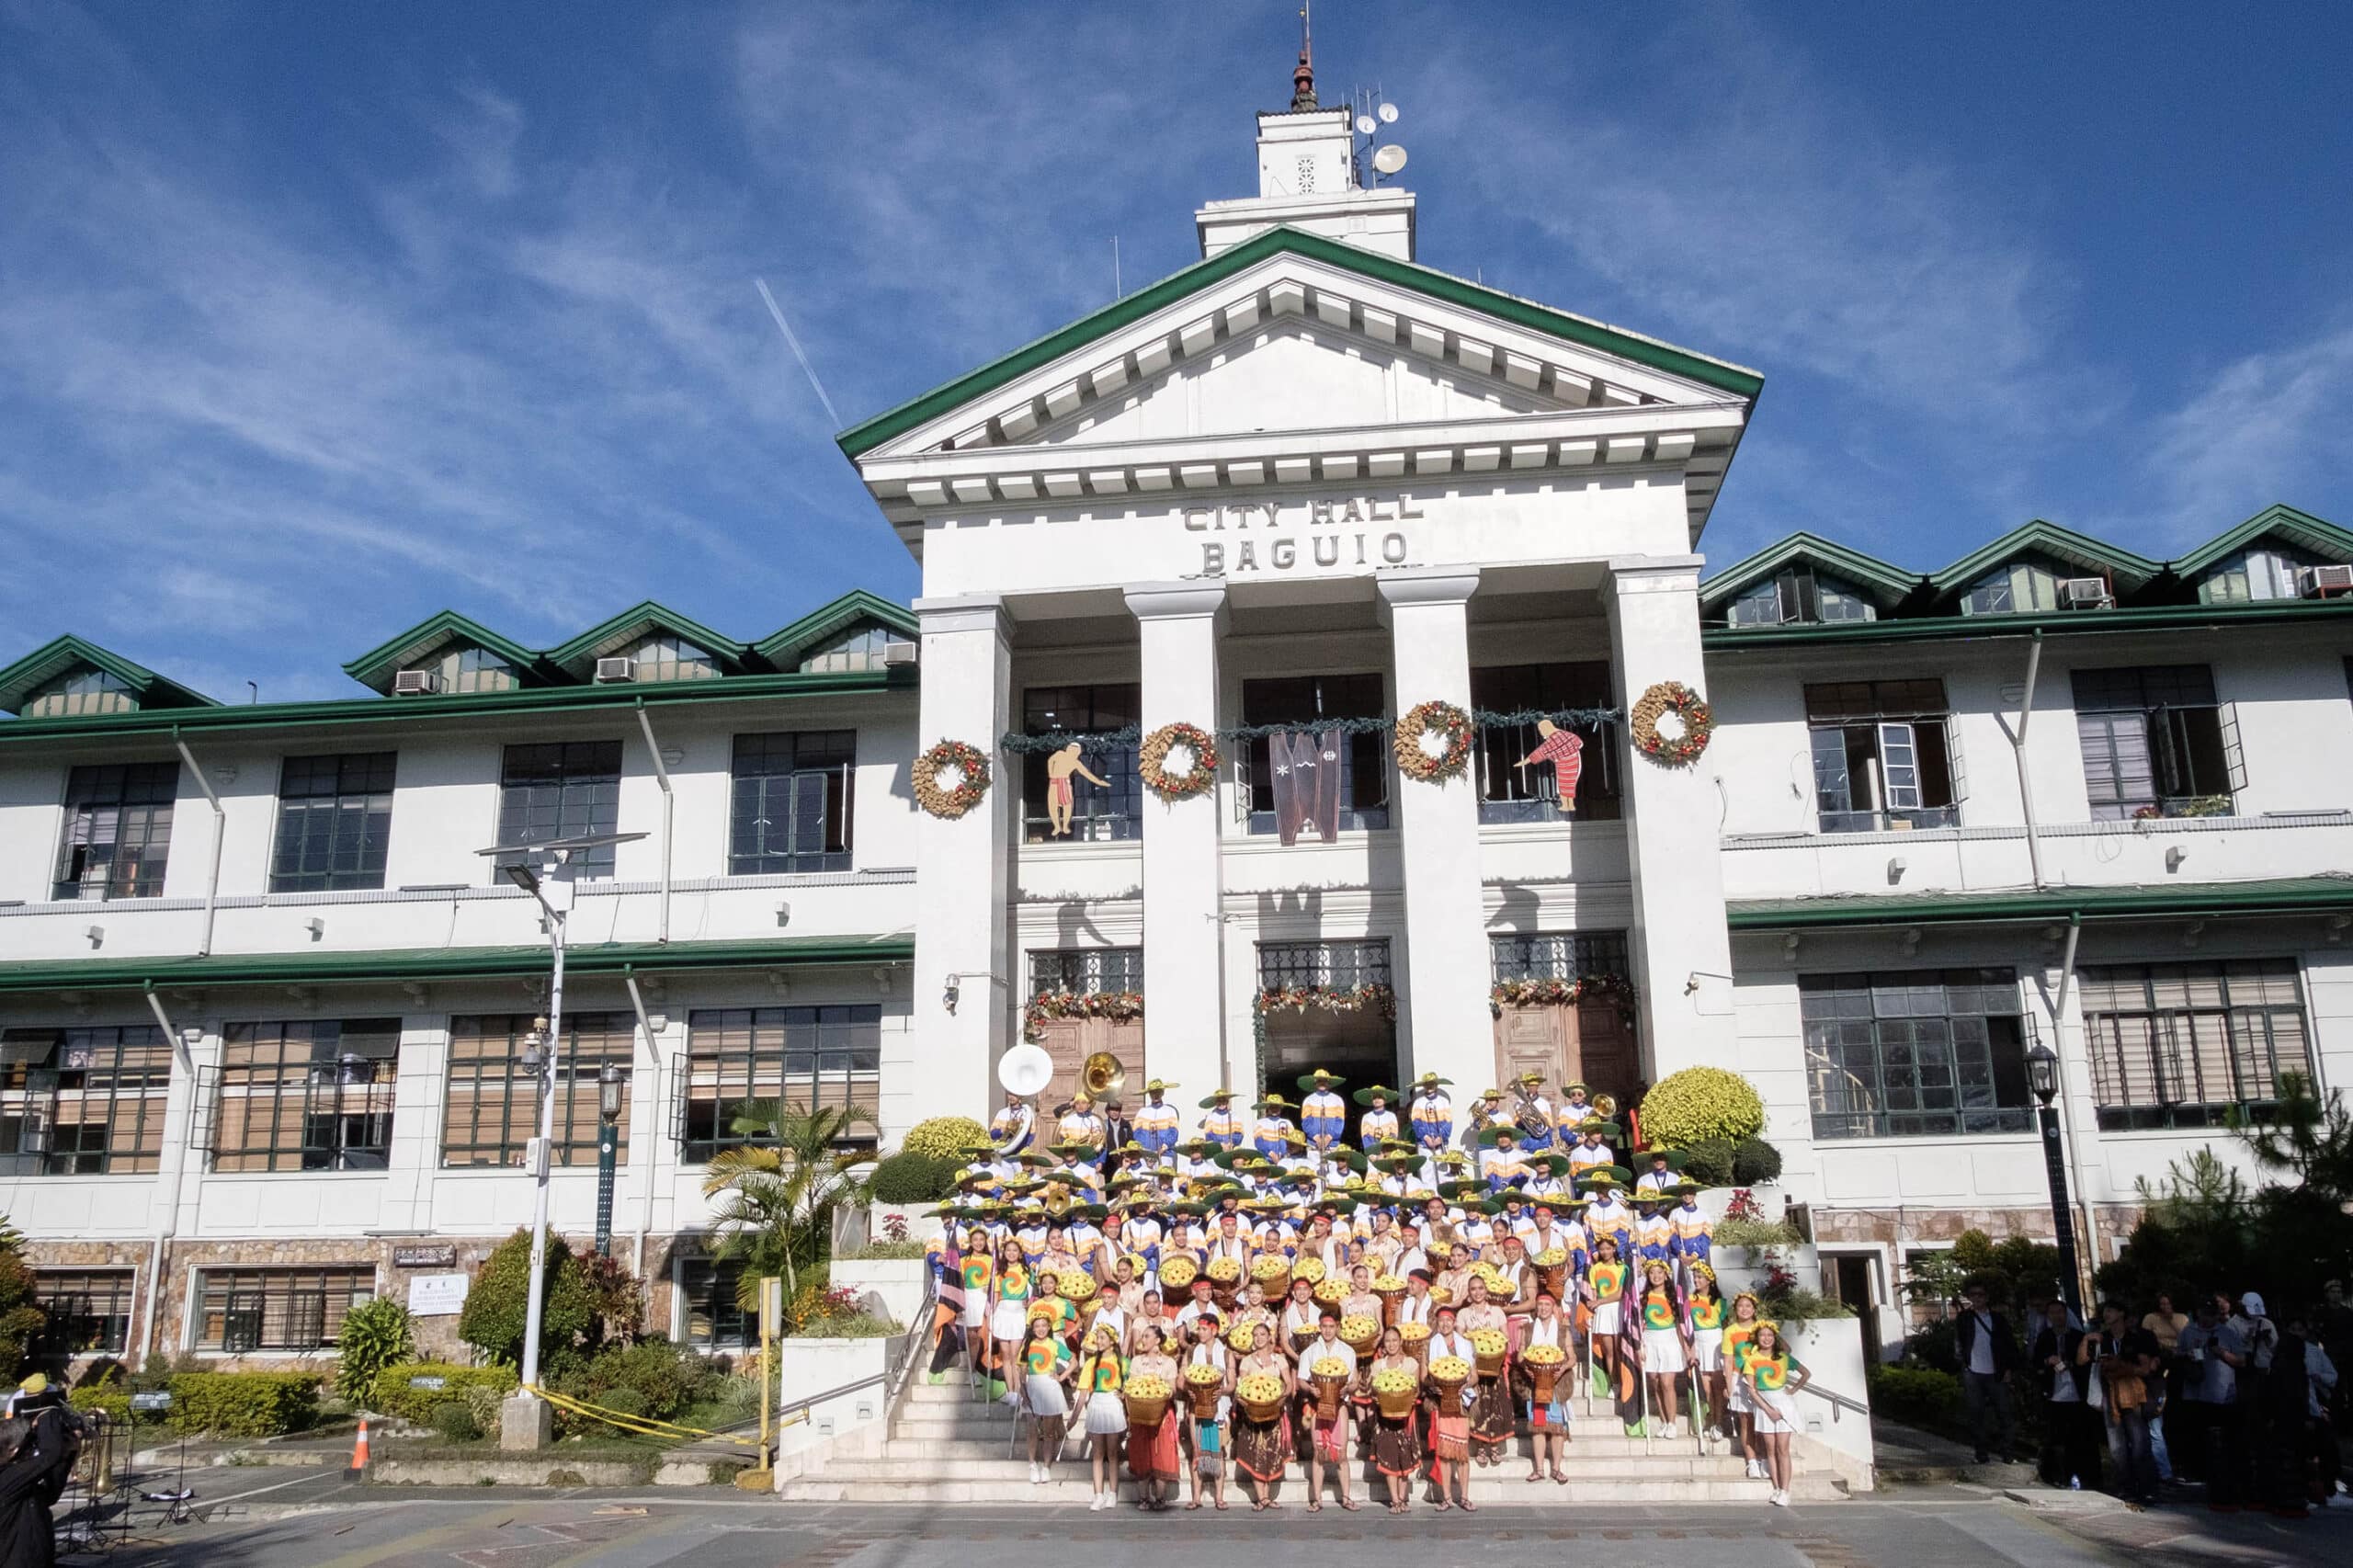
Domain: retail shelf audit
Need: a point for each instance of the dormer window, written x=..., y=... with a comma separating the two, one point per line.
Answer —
x=859, y=650
x=458, y=667
x=667, y=657
x=2267, y=571
x=2025, y=588
x=83, y=691
x=1798, y=594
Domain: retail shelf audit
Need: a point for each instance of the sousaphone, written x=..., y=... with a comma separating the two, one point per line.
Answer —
x=1103, y=1077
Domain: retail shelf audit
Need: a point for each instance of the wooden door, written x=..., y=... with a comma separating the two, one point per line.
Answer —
x=1533, y=1039
x=1070, y=1041
x=1604, y=1056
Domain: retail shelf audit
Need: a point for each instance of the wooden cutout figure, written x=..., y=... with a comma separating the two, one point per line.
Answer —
x=1060, y=766
x=1566, y=752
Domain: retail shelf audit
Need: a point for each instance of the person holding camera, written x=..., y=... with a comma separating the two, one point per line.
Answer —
x=1989, y=1354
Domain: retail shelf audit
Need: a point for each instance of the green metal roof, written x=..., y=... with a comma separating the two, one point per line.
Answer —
x=1889, y=586
x=861, y=438
x=377, y=666
x=784, y=648
x=62, y=655
x=1961, y=628
x=2283, y=895
x=443, y=964
x=2129, y=570
x=528, y=702
x=579, y=656
x=2300, y=529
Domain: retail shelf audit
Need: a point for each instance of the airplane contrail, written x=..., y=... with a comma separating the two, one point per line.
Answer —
x=806, y=369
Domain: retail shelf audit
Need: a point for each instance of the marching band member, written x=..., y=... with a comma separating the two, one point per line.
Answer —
x=1590, y=1150
x=1535, y=1114
x=1607, y=1215
x=1653, y=1235
x=1155, y=1121
x=1431, y=1113
x=1323, y=1115
x=1079, y=1124
x=1378, y=1125
x=1576, y=1108
x=1694, y=1232
x=1660, y=1177
x=1271, y=1133
x=1011, y=1129
x=1221, y=1127
x=1500, y=1161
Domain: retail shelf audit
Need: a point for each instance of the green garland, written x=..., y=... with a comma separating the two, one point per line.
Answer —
x=1481, y=717
x=1326, y=999
x=1049, y=1005
x=1539, y=993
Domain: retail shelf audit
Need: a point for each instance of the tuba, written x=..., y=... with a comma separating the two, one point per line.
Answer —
x=1058, y=1203
x=1103, y=1077
x=1605, y=1107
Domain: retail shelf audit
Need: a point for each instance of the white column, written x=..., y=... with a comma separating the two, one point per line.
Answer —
x=961, y=918
x=1184, y=1021
x=1682, y=952
x=1444, y=1001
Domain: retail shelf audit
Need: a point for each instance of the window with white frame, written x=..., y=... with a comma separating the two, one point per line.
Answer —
x=2015, y=587
x=861, y=648
x=118, y=831
x=2156, y=743
x=2192, y=1044
x=1798, y=594
x=464, y=667
x=1884, y=755
x=2267, y=571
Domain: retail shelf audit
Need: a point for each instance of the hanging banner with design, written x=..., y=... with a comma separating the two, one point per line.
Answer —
x=1306, y=765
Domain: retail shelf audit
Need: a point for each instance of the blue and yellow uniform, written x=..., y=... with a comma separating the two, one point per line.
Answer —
x=1156, y=1125
x=1375, y=1125
x=1324, y=1115
x=1694, y=1232
x=1271, y=1135
x=1654, y=1237
x=1222, y=1126
x=1614, y=1221
x=1433, y=1117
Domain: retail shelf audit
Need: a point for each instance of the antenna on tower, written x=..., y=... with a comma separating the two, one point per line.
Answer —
x=1303, y=80
x=1373, y=112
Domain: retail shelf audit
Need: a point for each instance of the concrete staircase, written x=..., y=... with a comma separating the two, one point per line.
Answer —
x=945, y=1446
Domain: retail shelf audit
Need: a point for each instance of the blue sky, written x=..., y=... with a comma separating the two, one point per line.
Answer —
x=314, y=320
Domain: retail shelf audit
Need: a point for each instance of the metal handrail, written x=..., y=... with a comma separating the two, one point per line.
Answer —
x=893, y=1371
x=1837, y=1401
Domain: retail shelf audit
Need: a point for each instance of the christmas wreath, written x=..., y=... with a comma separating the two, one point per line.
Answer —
x=966, y=760
x=1048, y=1005
x=1671, y=697
x=1152, y=762
x=1537, y=992
x=1450, y=724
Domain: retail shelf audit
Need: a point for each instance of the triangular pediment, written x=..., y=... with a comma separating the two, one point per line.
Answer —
x=1374, y=341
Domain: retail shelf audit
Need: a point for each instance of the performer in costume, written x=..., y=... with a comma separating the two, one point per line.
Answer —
x=1665, y=1355
x=1500, y=1164
x=1222, y=1126
x=1653, y=1237
x=1101, y=1377
x=1705, y=1307
x=1450, y=1441
x=1607, y=1215
x=1378, y=1125
x=1548, y=1424
x=1005, y=1292
x=1537, y=1124
x=1079, y=1125
x=1155, y=1121
x=1271, y=1133
x=1207, y=1428
x=1431, y=1113
x=1590, y=1149
x=1576, y=1108
x=1153, y=1450
x=1605, y=1290
x=1774, y=1378
x=1046, y=1366
x=1323, y=1115
x=1493, y=1419
x=1738, y=1400
x=1396, y=1448
x=1328, y=1438
x=1660, y=1178
x=1012, y=1128
x=1262, y=1448
x=1694, y=1233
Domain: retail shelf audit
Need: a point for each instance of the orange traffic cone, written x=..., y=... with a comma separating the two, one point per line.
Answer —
x=360, y=1450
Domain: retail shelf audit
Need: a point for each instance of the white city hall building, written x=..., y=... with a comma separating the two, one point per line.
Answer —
x=262, y=996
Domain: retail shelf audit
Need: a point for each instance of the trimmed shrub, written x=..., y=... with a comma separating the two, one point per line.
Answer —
x=910, y=1177
x=585, y=1301
x=374, y=1336
x=112, y=1398
x=624, y=1401
x=244, y=1405
x=945, y=1137
x=394, y=1395
x=1708, y=1162
x=454, y=1419
x=1698, y=1104
x=1755, y=1162
x=1920, y=1395
x=663, y=1376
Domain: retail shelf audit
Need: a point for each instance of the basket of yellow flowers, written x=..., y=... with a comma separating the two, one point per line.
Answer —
x=1359, y=1332
x=1545, y=1365
x=1396, y=1392
x=1147, y=1401
x=1176, y=1274
x=1488, y=1345
x=1260, y=1395
x=1327, y=1376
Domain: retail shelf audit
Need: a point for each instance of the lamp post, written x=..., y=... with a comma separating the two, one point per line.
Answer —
x=2043, y=1076
x=609, y=1139
x=546, y=872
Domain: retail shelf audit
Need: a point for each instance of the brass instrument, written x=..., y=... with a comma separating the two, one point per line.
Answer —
x=1058, y=1203
x=1103, y=1077
x=1605, y=1107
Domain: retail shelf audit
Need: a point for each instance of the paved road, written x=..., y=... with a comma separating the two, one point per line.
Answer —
x=345, y=1526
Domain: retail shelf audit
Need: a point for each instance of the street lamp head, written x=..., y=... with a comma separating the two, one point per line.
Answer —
x=608, y=1092
x=534, y=1055
x=522, y=876
x=2042, y=1073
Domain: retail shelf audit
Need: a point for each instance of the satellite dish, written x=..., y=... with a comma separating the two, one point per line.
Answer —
x=1388, y=115
x=1024, y=1069
x=1365, y=125
x=1390, y=159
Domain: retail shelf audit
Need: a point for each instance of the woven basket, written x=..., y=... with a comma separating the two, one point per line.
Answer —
x=1397, y=1403
x=1329, y=1392
x=1265, y=1412
x=1490, y=1366
x=1389, y=1300
x=1541, y=1379
x=1148, y=1411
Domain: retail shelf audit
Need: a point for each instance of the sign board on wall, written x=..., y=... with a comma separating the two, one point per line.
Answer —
x=425, y=1257
x=438, y=1295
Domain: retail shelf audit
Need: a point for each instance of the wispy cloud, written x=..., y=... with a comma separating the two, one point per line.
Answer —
x=2267, y=427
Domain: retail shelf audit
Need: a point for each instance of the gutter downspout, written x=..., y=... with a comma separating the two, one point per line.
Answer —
x=669, y=817
x=645, y=1198
x=170, y=1225
x=2025, y=788
x=220, y=830
x=2089, y=1253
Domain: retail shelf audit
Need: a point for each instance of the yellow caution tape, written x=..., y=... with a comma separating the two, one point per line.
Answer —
x=646, y=1425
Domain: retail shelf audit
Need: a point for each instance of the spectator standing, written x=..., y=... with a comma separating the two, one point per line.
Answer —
x=2213, y=1352
x=2072, y=1398
x=2165, y=1326
x=1989, y=1353
x=2130, y=1369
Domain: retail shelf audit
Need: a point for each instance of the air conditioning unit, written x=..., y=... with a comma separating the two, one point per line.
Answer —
x=616, y=669
x=417, y=683
x=2084, y=592
x=2325, y=581
x=904, y=652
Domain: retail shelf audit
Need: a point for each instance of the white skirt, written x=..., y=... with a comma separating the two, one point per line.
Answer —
x=1708, y=1351
x=1736, y=1396
x=1775, y=1412
x=1106, y=1413
x=1663, y=1351
x=1009, y=1320
x=1605, y=1319
x=1046, y=1397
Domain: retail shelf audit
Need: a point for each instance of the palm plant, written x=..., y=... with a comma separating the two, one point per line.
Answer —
x=776, y=1194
